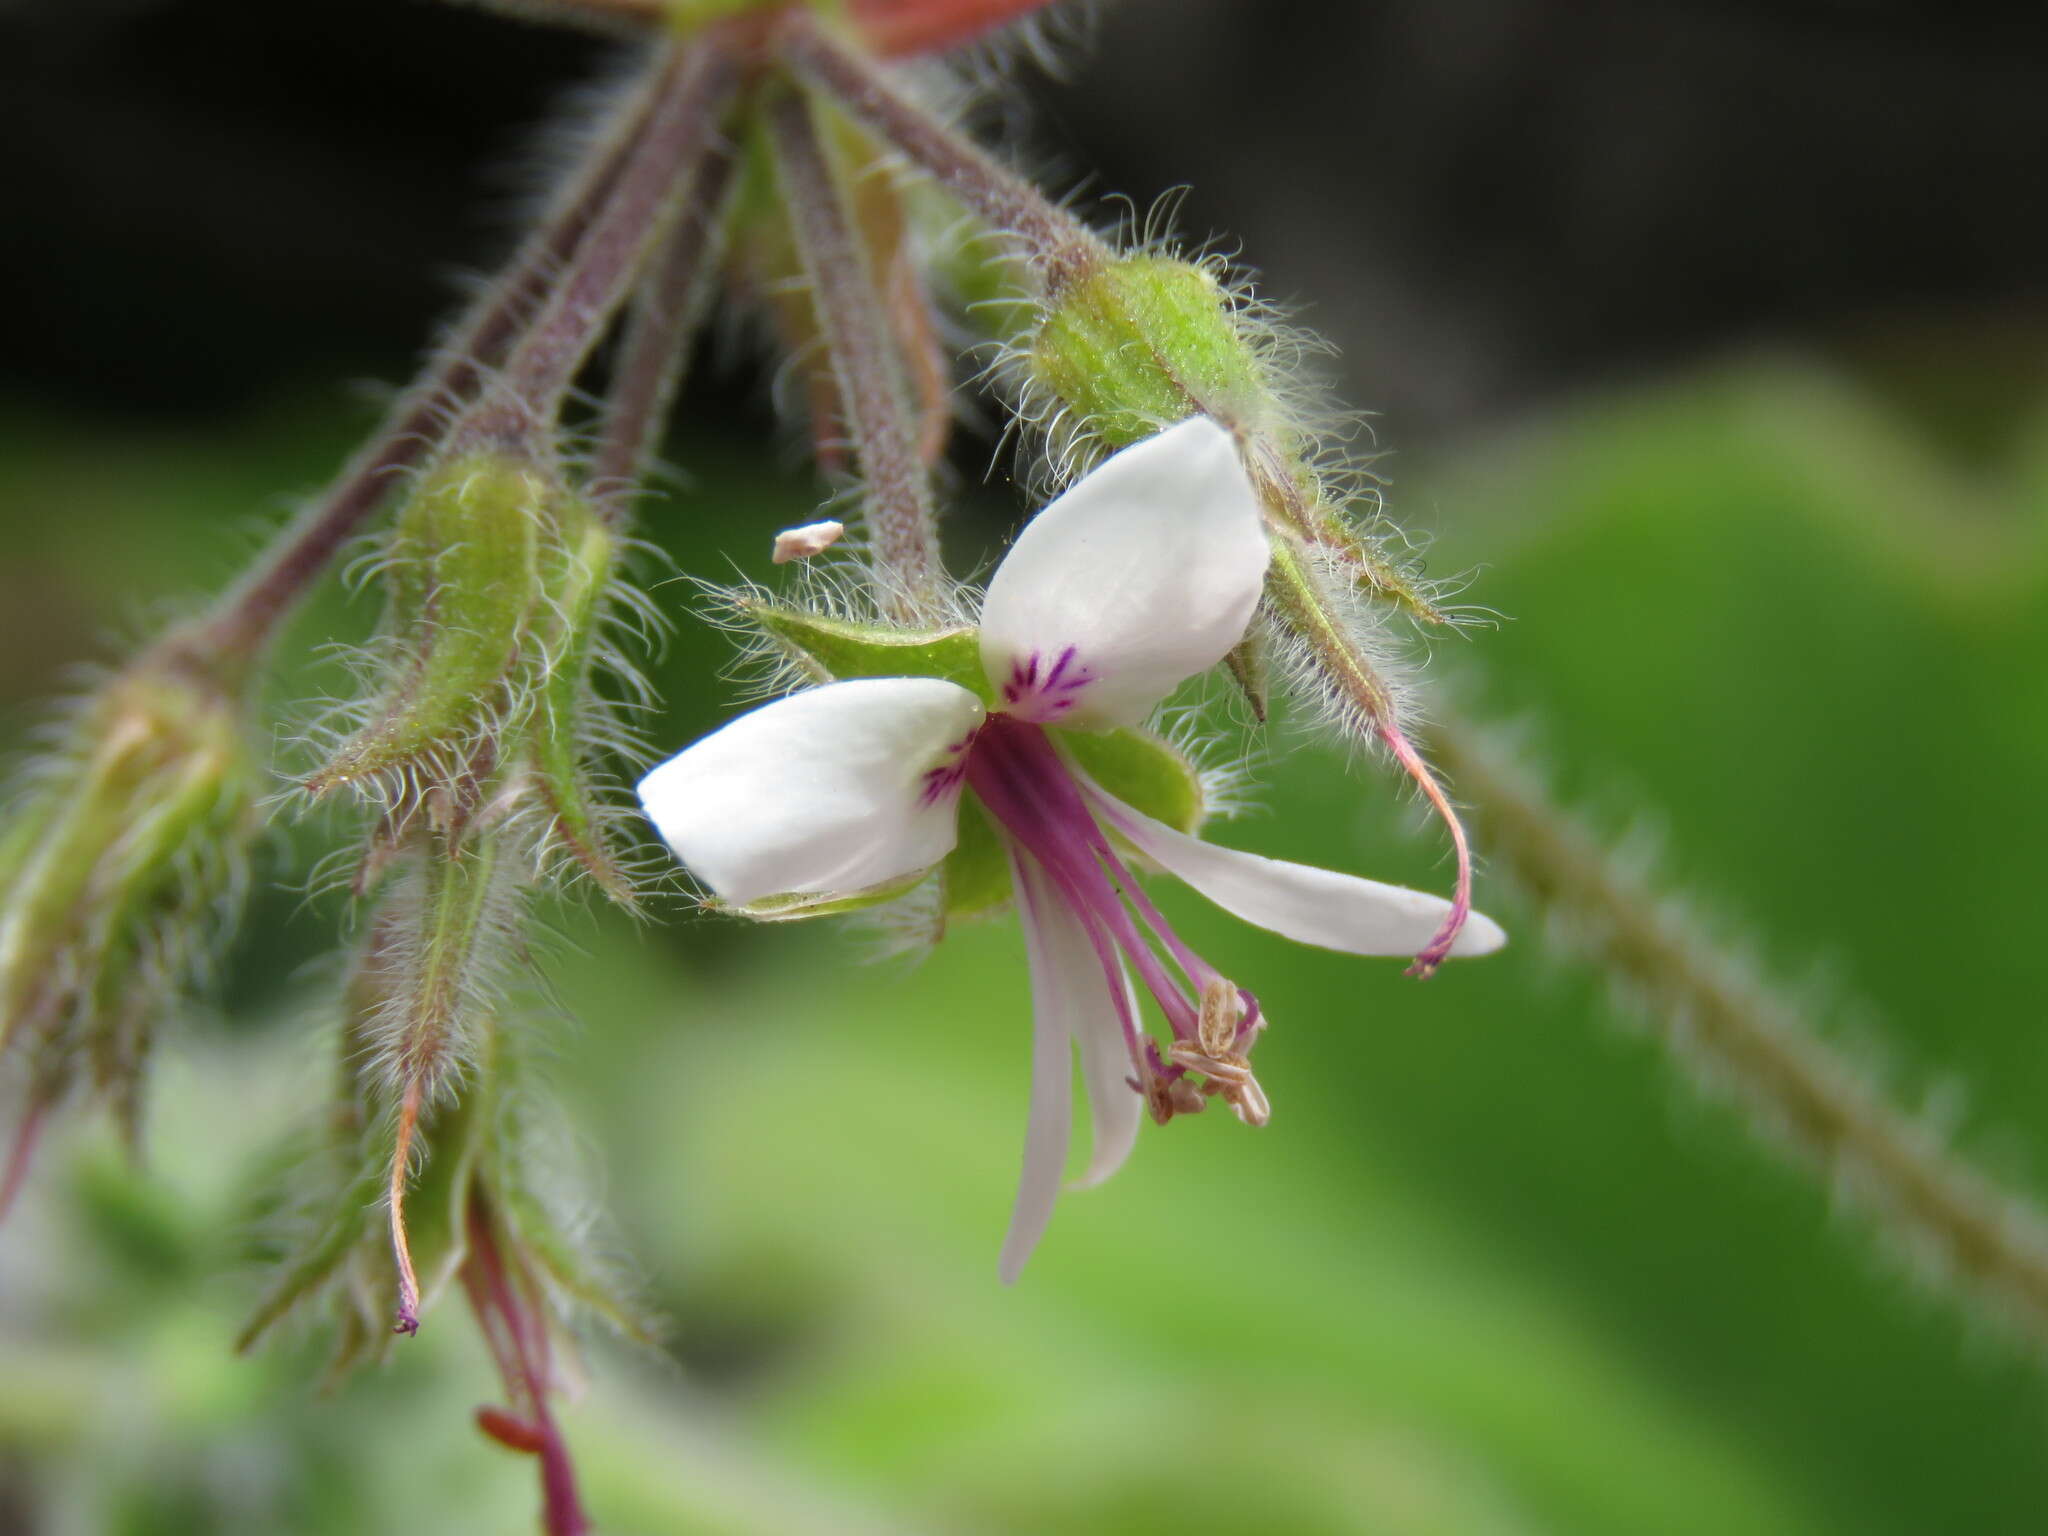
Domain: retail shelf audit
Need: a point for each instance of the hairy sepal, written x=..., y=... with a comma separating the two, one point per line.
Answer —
x=583, y=574
x=465, y=573
x=120, y=855
x=834, y=648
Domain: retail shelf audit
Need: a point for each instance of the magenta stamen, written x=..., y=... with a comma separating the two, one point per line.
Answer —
x=1033, y=795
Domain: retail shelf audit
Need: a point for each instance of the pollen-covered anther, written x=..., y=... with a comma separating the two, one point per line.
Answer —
x=1166, y=1097
x=802, y=543
x=1229, y=1077
x=1222, y=1013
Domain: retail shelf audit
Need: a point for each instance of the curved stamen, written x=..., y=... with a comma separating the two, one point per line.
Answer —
x=1029, y=789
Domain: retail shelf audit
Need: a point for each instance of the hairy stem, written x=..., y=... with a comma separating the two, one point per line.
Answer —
x=1060, y=246
x=850, y=311
x=656, y=348
x=1992, y=1241
x=659, y=184
x=250, y=613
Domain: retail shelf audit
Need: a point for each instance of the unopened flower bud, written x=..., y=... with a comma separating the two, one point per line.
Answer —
x=113, y=863
x=463, y=567
x=1138, y=344
x=501, y=583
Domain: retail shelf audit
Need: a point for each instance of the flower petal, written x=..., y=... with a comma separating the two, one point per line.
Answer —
x=1115, y=1108
x=1052, y=1071
x=1300, y=901
x=1142, y=575
x=830, y=791
x=1076, y=987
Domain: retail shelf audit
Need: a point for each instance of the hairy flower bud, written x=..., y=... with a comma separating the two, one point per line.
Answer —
x=1139, y=344
x=463, y=569
x=502, y=583
x=397, y=1177
x=113, y=866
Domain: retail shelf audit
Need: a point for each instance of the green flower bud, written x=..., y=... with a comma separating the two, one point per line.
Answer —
x=112, y=866
x=1140, y=343
x=464, y=572
x=580, y=581
x=502, y=584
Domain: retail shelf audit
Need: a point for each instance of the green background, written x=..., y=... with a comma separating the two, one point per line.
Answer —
x=1494, y=1267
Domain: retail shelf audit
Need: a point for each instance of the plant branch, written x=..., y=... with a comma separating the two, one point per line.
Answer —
x=246, y=617
x=1060, y=247
x=850, y=312
x=655, y=351
x=659, y=185
x=1992, y=1241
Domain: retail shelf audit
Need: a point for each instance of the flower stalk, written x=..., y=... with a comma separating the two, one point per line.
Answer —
x=244, y=620
x=654, y=352
x=1058, y=246
x=897, y=504
x=660, y=183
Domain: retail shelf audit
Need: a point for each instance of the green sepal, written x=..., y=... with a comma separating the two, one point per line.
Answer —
x=976, y=874
x=437, y=1205
x=107, y=865
x=798, y=905
x=844, y=648
x=1250, y=666
x=1144, y=770
x=464, y=573
x=1138, y=344
x=583, y=565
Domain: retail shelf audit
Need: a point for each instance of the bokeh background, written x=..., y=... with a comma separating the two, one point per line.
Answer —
x=1709, y=337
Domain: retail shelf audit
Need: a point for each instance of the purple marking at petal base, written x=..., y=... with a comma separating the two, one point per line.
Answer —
x=945, y=779
x=1029, y=696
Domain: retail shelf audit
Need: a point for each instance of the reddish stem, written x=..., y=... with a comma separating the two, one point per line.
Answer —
x=655, y=351
x=21, y=1153
x=897, y=28
x=515, y=1327
x=660, y=182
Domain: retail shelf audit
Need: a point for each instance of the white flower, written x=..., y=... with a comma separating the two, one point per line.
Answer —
x=1141, y=576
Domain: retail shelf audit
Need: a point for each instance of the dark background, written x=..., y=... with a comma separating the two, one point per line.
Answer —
x=1489, y=200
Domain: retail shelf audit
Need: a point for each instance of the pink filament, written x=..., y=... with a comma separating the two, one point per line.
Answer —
x=1026, y=785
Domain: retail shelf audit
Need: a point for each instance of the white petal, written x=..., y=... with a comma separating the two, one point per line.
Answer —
x=1147, y=571
x=1115, y=1108
x=1052, y=1075
x=824, y=792
x=1300, y=901
x=1076, y=988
